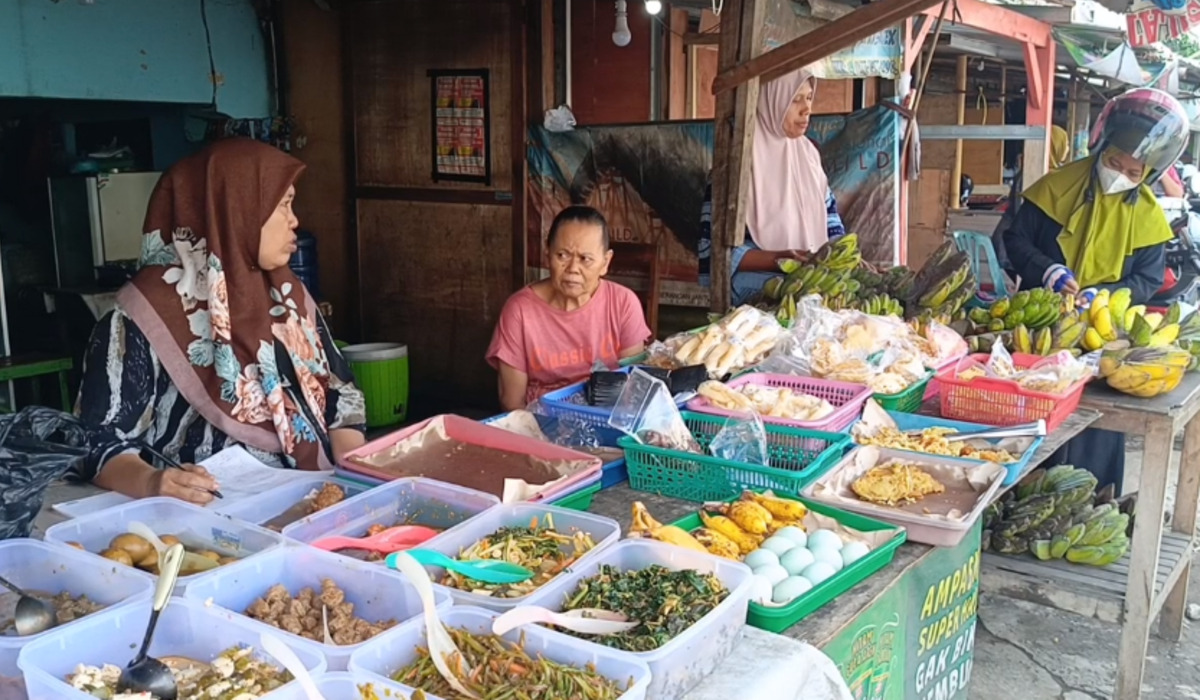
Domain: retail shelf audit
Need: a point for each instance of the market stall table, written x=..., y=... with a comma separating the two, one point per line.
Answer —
x=1153, y=577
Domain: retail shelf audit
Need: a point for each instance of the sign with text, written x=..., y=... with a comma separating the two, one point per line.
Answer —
x=1148, y=24
x=460, y=126
x=944, y=593
x=871, y=653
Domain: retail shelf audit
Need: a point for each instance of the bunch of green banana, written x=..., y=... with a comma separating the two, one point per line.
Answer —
x=1035, y=308
x=840, y=254
x=1052, y=515
x=880, y=305
x=786, y=313
x=898, y=281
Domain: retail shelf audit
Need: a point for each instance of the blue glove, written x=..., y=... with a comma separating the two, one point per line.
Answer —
x=1085, y=297
x=1057, y=277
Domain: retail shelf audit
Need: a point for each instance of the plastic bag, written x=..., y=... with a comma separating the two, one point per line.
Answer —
x=38, y=445
x=559, y=119
x=739, y=339
x=942, y=344
x=646, y=412
x=742, y=439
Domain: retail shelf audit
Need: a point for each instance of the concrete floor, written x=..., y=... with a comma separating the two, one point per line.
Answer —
x=1029, y=652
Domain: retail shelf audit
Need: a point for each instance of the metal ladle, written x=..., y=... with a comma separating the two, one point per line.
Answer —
x=146, y=674
x=32, y=615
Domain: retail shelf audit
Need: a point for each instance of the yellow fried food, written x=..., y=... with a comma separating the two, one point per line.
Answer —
x=933, y=441
x=780, y=508
x=745, y=541
x=896, y=483
x=717, y=544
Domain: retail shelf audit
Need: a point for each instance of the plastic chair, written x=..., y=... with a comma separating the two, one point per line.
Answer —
x=984, y=265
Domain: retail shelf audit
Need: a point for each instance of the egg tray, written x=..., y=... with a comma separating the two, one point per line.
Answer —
x=779, y=618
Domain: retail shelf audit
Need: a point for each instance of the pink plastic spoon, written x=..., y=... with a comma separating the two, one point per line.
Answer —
x=584, y=620
x=393, y=539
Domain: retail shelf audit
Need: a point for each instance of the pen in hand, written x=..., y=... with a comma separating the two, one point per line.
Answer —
x=176, y=465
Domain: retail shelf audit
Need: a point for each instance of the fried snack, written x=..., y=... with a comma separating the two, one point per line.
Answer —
x=933, y=441
x=895, y=483
x=767, y=401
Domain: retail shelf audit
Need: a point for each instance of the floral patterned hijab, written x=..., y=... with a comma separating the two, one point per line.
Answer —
x=214, y=318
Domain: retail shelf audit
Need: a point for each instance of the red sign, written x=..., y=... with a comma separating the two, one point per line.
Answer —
x=1150, y=25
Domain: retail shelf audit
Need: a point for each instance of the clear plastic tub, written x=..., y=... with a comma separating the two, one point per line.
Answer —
x=378, y=593
x=413, y=501
x=274, y=502
x=341, y=685
x=682, y=663
x=395, y=649
x=52, y=568
x=186, y=628
x=604, y=531
x=195, y=527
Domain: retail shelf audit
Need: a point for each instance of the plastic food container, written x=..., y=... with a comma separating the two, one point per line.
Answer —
x=779, y=618
x=927, y=530
x=472, y=432
x=680, y=664
x=53, y=568
x=1001, y=401
x=414, y=501
x=194, y=526
x=580, y=499
x=571, y=402
x=186, y=628
x=274, y=502
x=847, y=399
x=604, y=532
x=797, y=456
x=377, y=592
x=907, y=401
x=612, y=473
x=395, y=649
x=343, y=686
x=912, y=421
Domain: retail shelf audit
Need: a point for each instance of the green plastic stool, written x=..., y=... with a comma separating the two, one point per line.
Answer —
x=981, y=252
x=14, y=368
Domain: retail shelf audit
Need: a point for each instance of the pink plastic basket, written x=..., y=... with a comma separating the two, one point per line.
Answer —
x=932, y=389
x=847, y=399
x=476, y=433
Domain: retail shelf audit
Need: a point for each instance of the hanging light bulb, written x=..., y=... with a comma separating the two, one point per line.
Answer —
x=654, y=6
x=621, y=35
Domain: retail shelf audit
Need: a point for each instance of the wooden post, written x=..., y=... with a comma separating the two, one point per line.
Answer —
x=677, y=66
x=960, y=86
x=1039, y=108
x=741, y=27
x=1072, y=97
x=546, y=37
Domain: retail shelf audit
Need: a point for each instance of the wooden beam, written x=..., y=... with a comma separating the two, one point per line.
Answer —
x=916, y=39
x=677, y=68
x=701, y=39
x=547, y=54
x=517, y=124
x=960, y=86
x=999, y=20
x=831, y=38
x=741, y=37
x=1039, y=108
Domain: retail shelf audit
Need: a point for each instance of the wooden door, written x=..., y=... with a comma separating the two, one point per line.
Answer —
x=436, y=259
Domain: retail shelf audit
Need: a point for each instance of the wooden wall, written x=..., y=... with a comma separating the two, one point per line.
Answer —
x=610, y=84
x=434, y=260
x=313, y=52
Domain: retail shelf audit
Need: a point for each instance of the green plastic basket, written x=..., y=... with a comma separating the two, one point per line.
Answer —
x=580, y=500
x=798, y=457
x=907, y=401
x=778, y=619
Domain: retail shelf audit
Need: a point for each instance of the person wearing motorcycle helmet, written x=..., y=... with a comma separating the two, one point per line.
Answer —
x=1060, y=153
x=1095, y=224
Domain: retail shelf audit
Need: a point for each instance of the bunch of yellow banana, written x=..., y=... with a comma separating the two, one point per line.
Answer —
x=1112, y=317
x=733, y=530
x=1143, y=372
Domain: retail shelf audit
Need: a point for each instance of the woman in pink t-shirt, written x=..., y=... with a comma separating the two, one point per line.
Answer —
x=553, y=332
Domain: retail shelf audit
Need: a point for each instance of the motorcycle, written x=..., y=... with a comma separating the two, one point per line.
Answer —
x=1181, y=280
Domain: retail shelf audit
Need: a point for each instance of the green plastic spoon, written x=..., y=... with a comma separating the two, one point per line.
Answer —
x=483, y=570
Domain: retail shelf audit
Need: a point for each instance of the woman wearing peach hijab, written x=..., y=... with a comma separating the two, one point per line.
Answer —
x=791, y=211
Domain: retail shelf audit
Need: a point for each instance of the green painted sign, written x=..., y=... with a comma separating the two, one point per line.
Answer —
x=916, y=642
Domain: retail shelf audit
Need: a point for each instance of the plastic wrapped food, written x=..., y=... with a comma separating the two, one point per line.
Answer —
x=646, y=411
x=739, y=339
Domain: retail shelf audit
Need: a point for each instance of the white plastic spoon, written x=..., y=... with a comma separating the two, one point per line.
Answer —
x=277, y=648
x=584, y=620
x=325, y=624
x=192, y=562
x=441, y=644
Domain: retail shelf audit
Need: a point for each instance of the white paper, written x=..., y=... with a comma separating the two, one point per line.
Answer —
x=239, y=474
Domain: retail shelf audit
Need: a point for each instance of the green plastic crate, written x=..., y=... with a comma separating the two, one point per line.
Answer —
x=580, y=500
x=778, y=619
x=907, y=401
x=798, y=457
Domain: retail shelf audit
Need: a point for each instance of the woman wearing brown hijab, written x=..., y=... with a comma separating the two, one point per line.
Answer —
x=215, y=343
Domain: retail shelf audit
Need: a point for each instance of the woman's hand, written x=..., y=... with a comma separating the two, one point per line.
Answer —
x=1060, y=279
x=192, y=484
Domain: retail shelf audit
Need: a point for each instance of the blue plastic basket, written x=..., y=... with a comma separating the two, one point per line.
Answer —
x=571, y=401
x=612, y=473
x=913, y=421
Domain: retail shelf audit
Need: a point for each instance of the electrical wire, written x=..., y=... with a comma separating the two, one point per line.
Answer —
x=212, y=63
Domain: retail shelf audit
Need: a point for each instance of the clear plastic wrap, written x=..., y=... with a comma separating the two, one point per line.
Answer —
x=738, y=340
x=1054, y=374
x=742, y=439
x=646, y=412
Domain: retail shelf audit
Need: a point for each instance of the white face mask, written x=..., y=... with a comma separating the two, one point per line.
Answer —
x=1114, y=182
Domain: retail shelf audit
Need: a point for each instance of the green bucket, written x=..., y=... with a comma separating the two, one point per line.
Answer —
x=381, y=371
